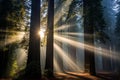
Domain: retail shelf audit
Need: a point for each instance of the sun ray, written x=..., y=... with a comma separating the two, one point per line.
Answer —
x=67, y=59
x=17, y=37
x=63, y=27
x=89, y=47
x=56, y=66
x=76, y=34
x=59, y=11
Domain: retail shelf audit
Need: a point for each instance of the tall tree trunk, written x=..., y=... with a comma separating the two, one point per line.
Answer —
x=3, y=47
x=4, y=52
x=33, y=69
x=106, y=60
x=49, y=50
x=4, y=62
x=89, y=29
x=60, y=58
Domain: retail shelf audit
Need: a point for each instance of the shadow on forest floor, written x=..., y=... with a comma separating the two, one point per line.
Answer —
x=74, y=76
x=109, y=75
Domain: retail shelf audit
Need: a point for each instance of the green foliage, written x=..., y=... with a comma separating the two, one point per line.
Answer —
x=12, y=14
x=13, y=18
x=14, y=69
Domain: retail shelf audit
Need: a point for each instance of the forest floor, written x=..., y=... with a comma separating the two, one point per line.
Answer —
x=109, y=75
x=84, y=76
x=79, y=76
x=76, y=76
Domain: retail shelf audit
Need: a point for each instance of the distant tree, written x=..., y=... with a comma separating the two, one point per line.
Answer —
x=109, y=12
x=33, y=69
x=93, y=24
x=117, y=29
x=117, y=32
x=49, y=50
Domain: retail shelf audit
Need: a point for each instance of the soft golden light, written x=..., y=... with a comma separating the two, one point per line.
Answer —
x=42, y=33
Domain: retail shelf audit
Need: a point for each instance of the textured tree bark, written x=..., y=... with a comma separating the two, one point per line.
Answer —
x=49, y=50
x=33, y=69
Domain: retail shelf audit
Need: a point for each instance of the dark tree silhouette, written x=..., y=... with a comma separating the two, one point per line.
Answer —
x=117, y=32
x=33, y=70
x=89, y=29
x=49, y=50
x=93, y=23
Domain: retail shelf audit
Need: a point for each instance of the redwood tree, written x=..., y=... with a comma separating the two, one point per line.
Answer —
x=93, y=24
x=33, y=70
x=49, y=50
x=88, y=29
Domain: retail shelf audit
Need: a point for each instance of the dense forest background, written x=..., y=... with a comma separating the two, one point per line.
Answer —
x=78, y=36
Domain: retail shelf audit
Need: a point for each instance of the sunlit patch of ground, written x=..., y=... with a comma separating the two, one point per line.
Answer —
x=63, y=76
x=76, y=76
